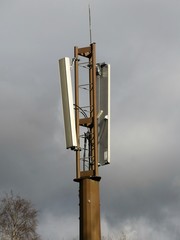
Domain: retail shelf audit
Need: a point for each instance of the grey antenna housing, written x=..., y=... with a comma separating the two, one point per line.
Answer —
x=103, y=112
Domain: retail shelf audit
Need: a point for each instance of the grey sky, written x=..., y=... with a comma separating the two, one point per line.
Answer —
x=140, y=190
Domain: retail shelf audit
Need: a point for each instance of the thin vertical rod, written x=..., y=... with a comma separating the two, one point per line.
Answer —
x=90, y=30
x=76, y=73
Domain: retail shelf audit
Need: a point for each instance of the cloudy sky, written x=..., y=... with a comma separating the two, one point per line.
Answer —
x=140, y=189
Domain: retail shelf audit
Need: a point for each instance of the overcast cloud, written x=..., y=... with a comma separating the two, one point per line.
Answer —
x=140, y=189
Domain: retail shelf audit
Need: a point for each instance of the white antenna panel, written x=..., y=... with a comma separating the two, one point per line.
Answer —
x=67, y=101
x=103, y=112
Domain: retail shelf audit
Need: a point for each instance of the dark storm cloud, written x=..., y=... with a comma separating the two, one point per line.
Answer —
x=31, y=126
x=145, y=106
x=140, y=39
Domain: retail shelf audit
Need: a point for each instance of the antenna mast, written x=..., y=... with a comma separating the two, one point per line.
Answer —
x=91, y=127
x=88, y=177
x=90, y=29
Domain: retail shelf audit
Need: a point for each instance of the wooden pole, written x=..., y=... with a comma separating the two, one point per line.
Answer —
x=89, y=196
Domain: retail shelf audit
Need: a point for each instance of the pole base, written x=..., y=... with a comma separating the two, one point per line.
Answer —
x=89, y=208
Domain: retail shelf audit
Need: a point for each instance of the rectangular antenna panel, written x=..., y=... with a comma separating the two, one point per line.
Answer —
x=67, y=101
x=103, y=112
